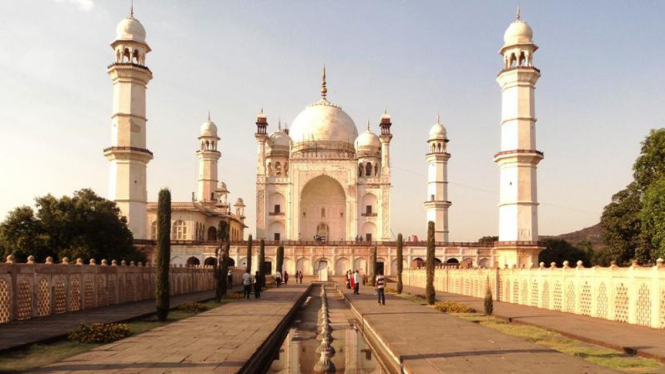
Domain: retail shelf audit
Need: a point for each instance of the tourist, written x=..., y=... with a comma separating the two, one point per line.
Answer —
x=352, y=282
x=364, y=279
x=380, y=284
x=286, y=278
x=229, y=282
x=278, y=278
x=356, y=283
x=348, y=280
x=257, y=285
x=246, y=280
x=300, y=277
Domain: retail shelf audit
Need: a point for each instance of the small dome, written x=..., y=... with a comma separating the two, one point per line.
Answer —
x=130, y=29
x=367, y=140
x=209, y=129
x=280, y=139
x=519, y=32
x=221, y=186
x=239, y=202
x=323, y=121
x=438, y=132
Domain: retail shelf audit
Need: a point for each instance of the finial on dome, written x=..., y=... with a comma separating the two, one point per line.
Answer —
x=367, y=125
x=438, y=118
x=261, y=110
x=209, y=116
x=385, y=110
x=279, y=124
x=131, y=10
x=324, y=90
x=517, y=15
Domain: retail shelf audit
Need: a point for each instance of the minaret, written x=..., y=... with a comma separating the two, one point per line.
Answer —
x=128, y=154
x=261, y=138
x=385, y=138
x=208, y=156
x=437, y=203
x=518, y=158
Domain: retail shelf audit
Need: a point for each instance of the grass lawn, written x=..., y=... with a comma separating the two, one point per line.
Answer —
x=606, y=357
x=36, y=355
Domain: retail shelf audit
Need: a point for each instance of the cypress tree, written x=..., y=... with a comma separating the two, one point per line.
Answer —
x=430, y=294
x=400, y=263
x=280, y=258
x=249, y=254
x=262, y=262
x=489, y=303
x=221, y=266
x=163, y=254
x=372, y=280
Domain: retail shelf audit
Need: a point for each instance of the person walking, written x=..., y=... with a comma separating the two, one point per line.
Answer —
x=348, y=280
x=278, y=278
x=356, y=281
x=229, y=279
x=246, y=281
x=301, y=275
x=286, y=278
x=352, y=282
x=380, y=288
x=258, y=281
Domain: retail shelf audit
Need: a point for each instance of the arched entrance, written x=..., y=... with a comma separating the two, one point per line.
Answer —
x=192, y=261
x=341, y=266
x=322, y=210
x=417, y=263
x=360, y=264
x=452, y=261
x=209, y=261
x=304, y=266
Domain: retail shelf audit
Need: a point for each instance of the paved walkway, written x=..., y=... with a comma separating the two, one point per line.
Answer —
x=427, y=341
x=20, y=333
x=221, y=340
x=633, y=339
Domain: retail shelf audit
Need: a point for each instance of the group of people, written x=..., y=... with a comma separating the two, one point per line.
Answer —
x=353, y=280
x=258, y=282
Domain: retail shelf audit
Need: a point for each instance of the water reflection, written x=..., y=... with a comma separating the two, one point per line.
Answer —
x=298, y=352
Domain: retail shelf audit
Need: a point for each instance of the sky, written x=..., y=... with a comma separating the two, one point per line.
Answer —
x=600, y=93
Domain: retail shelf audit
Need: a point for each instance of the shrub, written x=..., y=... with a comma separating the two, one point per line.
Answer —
x=193, y=307
x=236, y=296
x=162, y=286
x=100, y=333
x=453, y=307
x=489, y=303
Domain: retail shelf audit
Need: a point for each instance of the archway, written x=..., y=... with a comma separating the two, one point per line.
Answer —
x=360, y=264
x=341, y=266
x=210, y=261
x=212, y=234
x=192, y=261
x=452, y=261
x=322, y=203
x=417, y=263
x=304, y=266
x=232, y=262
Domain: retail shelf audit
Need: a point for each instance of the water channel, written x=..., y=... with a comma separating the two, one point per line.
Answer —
x=349, y=352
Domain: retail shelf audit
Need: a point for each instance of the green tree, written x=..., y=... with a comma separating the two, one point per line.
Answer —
x=559, y=250
x=372, y=280
x=221, y=264
x=621, y=224
x=84, y=225
x=280, y=259
x=249, y=254
x=262, y=261
x=488, y=239
x=400, y=263
x=652, y=217
x=430, y=294
x=650, y=165
x=488, y=303
x=163, y=254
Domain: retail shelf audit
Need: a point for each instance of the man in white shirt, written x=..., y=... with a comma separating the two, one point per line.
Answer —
x=246, y=282
x=356, y=280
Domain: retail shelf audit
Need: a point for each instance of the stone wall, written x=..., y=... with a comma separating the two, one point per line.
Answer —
x=634, y=295
x=36, y=290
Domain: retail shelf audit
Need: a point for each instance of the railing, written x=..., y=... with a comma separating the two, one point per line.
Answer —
x=385, y=243
x=137, y=149
x=322, y=145
x=129, y=64
x=368, y=214
x=519, y=151
x=275, y=213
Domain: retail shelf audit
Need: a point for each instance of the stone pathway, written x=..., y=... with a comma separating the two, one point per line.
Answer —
x=19, y=333
x=221, y=340
x=643, y=341
x=427, y=341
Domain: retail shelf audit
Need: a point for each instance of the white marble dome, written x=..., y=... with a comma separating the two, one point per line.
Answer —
x=208, y=128
x=323, y=121
x=130, y=29
x=438, y=132
x=280, y=139
x=519, y=32
x=368, y=139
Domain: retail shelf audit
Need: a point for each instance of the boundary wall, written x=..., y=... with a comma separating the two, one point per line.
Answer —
x=33, y=290
x=634, y=294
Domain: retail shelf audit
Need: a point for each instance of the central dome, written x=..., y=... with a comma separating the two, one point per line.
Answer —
x=324, y=122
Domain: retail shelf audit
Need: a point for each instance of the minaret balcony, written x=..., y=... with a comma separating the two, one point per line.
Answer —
x=520, y=68
x=438, y=204
x=129, y=64
x=525, y=155
x=368, y=214
x=128, y=153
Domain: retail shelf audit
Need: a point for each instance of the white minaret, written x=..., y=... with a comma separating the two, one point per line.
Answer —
x=518, y=158
x=128, y=154
x=261, y=138
x=208, y=156
x=437, y=203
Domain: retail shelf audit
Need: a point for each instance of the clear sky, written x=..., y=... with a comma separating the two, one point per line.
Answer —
x=601, y=91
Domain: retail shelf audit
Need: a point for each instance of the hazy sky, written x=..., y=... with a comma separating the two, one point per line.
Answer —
x=601, y=91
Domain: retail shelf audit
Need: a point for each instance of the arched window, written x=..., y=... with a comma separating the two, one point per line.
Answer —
x=212, y=234
x=360, y=170
x=125, y=56
x=368, y=169
x=153, y=230
x=323, y=212
x=269, y=168
x=522, y=61
x=278, y=168
x=135, y=57
x=179, y=230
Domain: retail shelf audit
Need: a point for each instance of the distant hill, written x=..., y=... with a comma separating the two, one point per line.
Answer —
x=593, y=234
